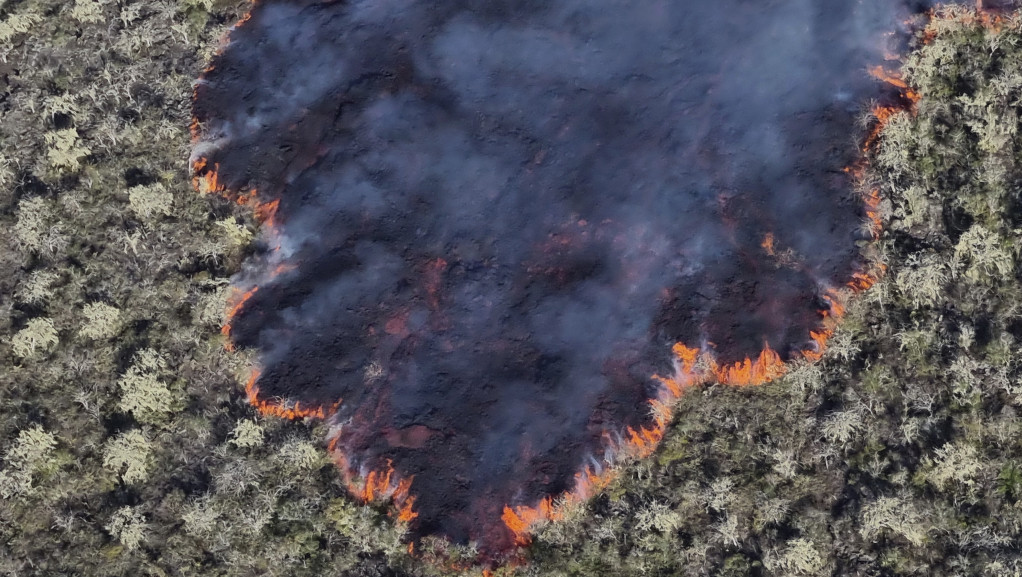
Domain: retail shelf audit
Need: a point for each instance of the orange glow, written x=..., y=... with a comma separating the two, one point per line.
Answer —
x=982, y=16
x=588, y=483
x=235, y=302
x=692, y=365
x=282, y=408
x=638, y=443
x=520, y=519
x=246, y=17
x=281, y=269
x=686, y=355
x=891, y=78
x=836, y=309
x=876, y=224
x=684, y=376
x=266, y=212
x=378, y=486
x=206, y=182
x=883, y=115
x=989, y=20
x=765, y=368
x=895, y=80
x=644, y=441
x=405, y=514
x=820, y=338
x=861, y=281
x=246, y=198
x=222, y=43
x=768, y=243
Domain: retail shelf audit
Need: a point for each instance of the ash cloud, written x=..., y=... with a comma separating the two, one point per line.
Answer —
x=499, y=216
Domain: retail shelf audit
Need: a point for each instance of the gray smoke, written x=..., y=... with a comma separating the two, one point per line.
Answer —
x=501, y=215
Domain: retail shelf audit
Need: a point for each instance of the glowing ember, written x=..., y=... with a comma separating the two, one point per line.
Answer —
x=510, y=237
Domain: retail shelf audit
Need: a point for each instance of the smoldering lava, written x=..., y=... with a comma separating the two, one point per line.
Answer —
x=493, y=219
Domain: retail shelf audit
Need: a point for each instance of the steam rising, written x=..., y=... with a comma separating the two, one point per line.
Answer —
x=498, y=217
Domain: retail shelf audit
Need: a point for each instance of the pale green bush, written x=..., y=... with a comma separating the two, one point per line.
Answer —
x=35, y=289
x=31, y=453
x=922, y=280
x=300, y=454
x=128, y=526
x=212, y=308
x=202, y=518
x=33, y=223
x=65, y=151
x=658, y=516
x=143, y=393
x=129, y=454
x=955, y=463
x=102, y=321
x=247, y=433
x=982, y=254
x=841, y=427
x=206, y=5
x=16, y=24
x=150, y=201
x=892, y=515
x=38, y=337
x=62, y=104
x=236, y=234
x=88, y=11
x=800, y=558
x=6, y=173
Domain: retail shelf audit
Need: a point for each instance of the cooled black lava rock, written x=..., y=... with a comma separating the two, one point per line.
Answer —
x=501, y=215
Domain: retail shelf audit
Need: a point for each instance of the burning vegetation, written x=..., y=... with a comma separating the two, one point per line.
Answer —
x=497, y=246
x=126, y=450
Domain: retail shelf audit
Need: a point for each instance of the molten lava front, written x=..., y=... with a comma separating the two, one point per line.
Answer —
x=500, y=238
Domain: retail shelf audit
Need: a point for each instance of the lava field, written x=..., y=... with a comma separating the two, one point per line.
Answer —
x=499, y=236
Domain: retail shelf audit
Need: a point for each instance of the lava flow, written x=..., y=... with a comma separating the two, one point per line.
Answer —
x=500, y=239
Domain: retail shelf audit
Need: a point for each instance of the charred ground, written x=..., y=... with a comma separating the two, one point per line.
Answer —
x=492, y=222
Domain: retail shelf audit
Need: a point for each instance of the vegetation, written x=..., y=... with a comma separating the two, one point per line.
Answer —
x=127, y=446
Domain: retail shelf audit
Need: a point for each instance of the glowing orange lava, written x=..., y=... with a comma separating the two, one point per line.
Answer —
x=768, y=244
x=235, y=302
x=280, y=407
x=884, y=114
x=765, y=368
x=378, y=486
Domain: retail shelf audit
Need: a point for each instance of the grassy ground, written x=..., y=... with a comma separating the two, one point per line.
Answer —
x=127, y=446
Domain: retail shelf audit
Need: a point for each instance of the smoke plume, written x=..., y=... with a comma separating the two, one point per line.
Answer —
x=487, y=223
